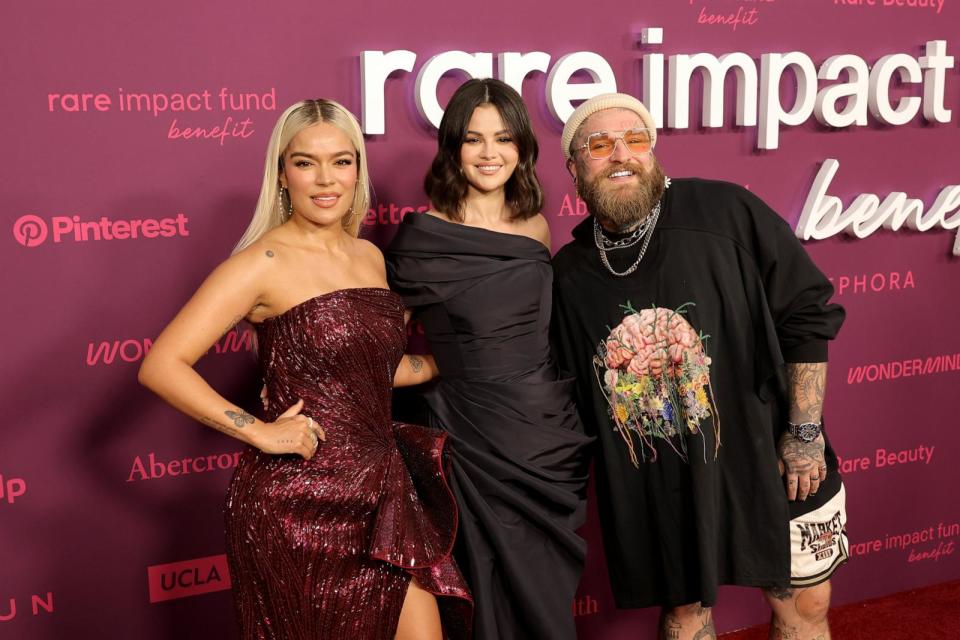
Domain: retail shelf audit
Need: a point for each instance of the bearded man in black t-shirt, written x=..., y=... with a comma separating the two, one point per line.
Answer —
x=697, y=328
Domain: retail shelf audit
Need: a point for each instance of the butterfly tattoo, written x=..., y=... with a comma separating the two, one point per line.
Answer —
x=240, y=419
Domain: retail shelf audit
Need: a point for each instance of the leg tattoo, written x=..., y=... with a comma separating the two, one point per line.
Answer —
x=780, y=630
x=707, y=631
x=780, y=593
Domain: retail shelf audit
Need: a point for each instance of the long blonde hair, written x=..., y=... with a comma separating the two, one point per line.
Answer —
x=272, y=208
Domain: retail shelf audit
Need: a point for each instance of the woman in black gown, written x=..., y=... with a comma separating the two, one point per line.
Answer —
x=477, y=272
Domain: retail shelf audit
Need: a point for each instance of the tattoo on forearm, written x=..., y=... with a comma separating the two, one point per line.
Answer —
x=807, y=383
x=416, y=363
x=210, y=422
x=241, y=419
x=780, y=593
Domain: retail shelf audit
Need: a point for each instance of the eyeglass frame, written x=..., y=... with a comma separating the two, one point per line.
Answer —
x=623, y=132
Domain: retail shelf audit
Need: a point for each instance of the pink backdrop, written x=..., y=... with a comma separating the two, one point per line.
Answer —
x=110, y=501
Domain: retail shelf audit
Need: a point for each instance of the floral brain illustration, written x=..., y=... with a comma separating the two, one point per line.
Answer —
x=656, y=379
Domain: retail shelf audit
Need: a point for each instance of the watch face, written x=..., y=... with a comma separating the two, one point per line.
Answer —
x=807, y=431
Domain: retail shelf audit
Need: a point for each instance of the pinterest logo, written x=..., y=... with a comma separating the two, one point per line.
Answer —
x=30, y=230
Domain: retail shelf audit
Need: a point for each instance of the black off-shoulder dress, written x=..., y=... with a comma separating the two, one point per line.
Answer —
x=519, y=456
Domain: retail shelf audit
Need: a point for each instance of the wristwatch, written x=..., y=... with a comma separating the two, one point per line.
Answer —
x=805, y=431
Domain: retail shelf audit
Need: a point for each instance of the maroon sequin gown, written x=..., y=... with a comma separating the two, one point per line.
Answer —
x=325, y=548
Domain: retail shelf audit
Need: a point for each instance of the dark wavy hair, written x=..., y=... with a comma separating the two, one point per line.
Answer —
x=445, y=184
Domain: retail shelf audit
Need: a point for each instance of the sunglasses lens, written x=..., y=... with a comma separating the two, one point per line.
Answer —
x=637, y=140
x=600, y=146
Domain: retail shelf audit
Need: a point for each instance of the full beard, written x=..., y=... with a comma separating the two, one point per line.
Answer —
x=623, y=208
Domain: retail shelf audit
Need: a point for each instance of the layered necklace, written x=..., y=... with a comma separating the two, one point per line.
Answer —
x=642, y=233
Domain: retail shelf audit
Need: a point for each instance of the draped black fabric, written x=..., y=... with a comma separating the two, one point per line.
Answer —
x=674, y=530
x=518, y=452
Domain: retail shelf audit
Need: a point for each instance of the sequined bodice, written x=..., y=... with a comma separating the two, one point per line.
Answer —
x=338, y=352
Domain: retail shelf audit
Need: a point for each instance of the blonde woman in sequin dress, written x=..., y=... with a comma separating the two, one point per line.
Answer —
x=339, y=521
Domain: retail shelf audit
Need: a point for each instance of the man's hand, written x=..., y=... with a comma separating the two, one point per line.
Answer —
x=803, y=465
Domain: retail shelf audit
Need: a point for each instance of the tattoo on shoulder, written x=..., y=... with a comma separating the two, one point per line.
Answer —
x=270, y=253
x=240, y=419
x=416, y=363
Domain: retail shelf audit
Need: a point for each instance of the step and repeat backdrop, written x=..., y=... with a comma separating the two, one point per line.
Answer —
x=134, y=136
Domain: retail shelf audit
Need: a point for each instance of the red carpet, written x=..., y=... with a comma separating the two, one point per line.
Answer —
x=930, y=613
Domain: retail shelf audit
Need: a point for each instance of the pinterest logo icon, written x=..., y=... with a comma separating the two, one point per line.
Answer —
x=30, y=230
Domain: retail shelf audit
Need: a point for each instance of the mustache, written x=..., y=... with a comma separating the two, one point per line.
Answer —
x=636, y=167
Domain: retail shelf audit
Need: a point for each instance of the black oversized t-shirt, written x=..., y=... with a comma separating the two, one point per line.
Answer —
x=677, y=527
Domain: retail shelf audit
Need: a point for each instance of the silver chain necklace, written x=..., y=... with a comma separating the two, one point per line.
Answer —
x=604, y=245
x=635, y=236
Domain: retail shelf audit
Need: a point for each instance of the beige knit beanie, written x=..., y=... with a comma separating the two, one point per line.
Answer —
x=599, y=103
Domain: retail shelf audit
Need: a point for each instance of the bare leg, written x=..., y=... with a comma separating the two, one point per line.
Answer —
x=419, y=617
x=687, y=622
x=799, y=614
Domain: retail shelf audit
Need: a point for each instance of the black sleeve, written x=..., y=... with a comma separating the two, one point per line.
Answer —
x=797, y=292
